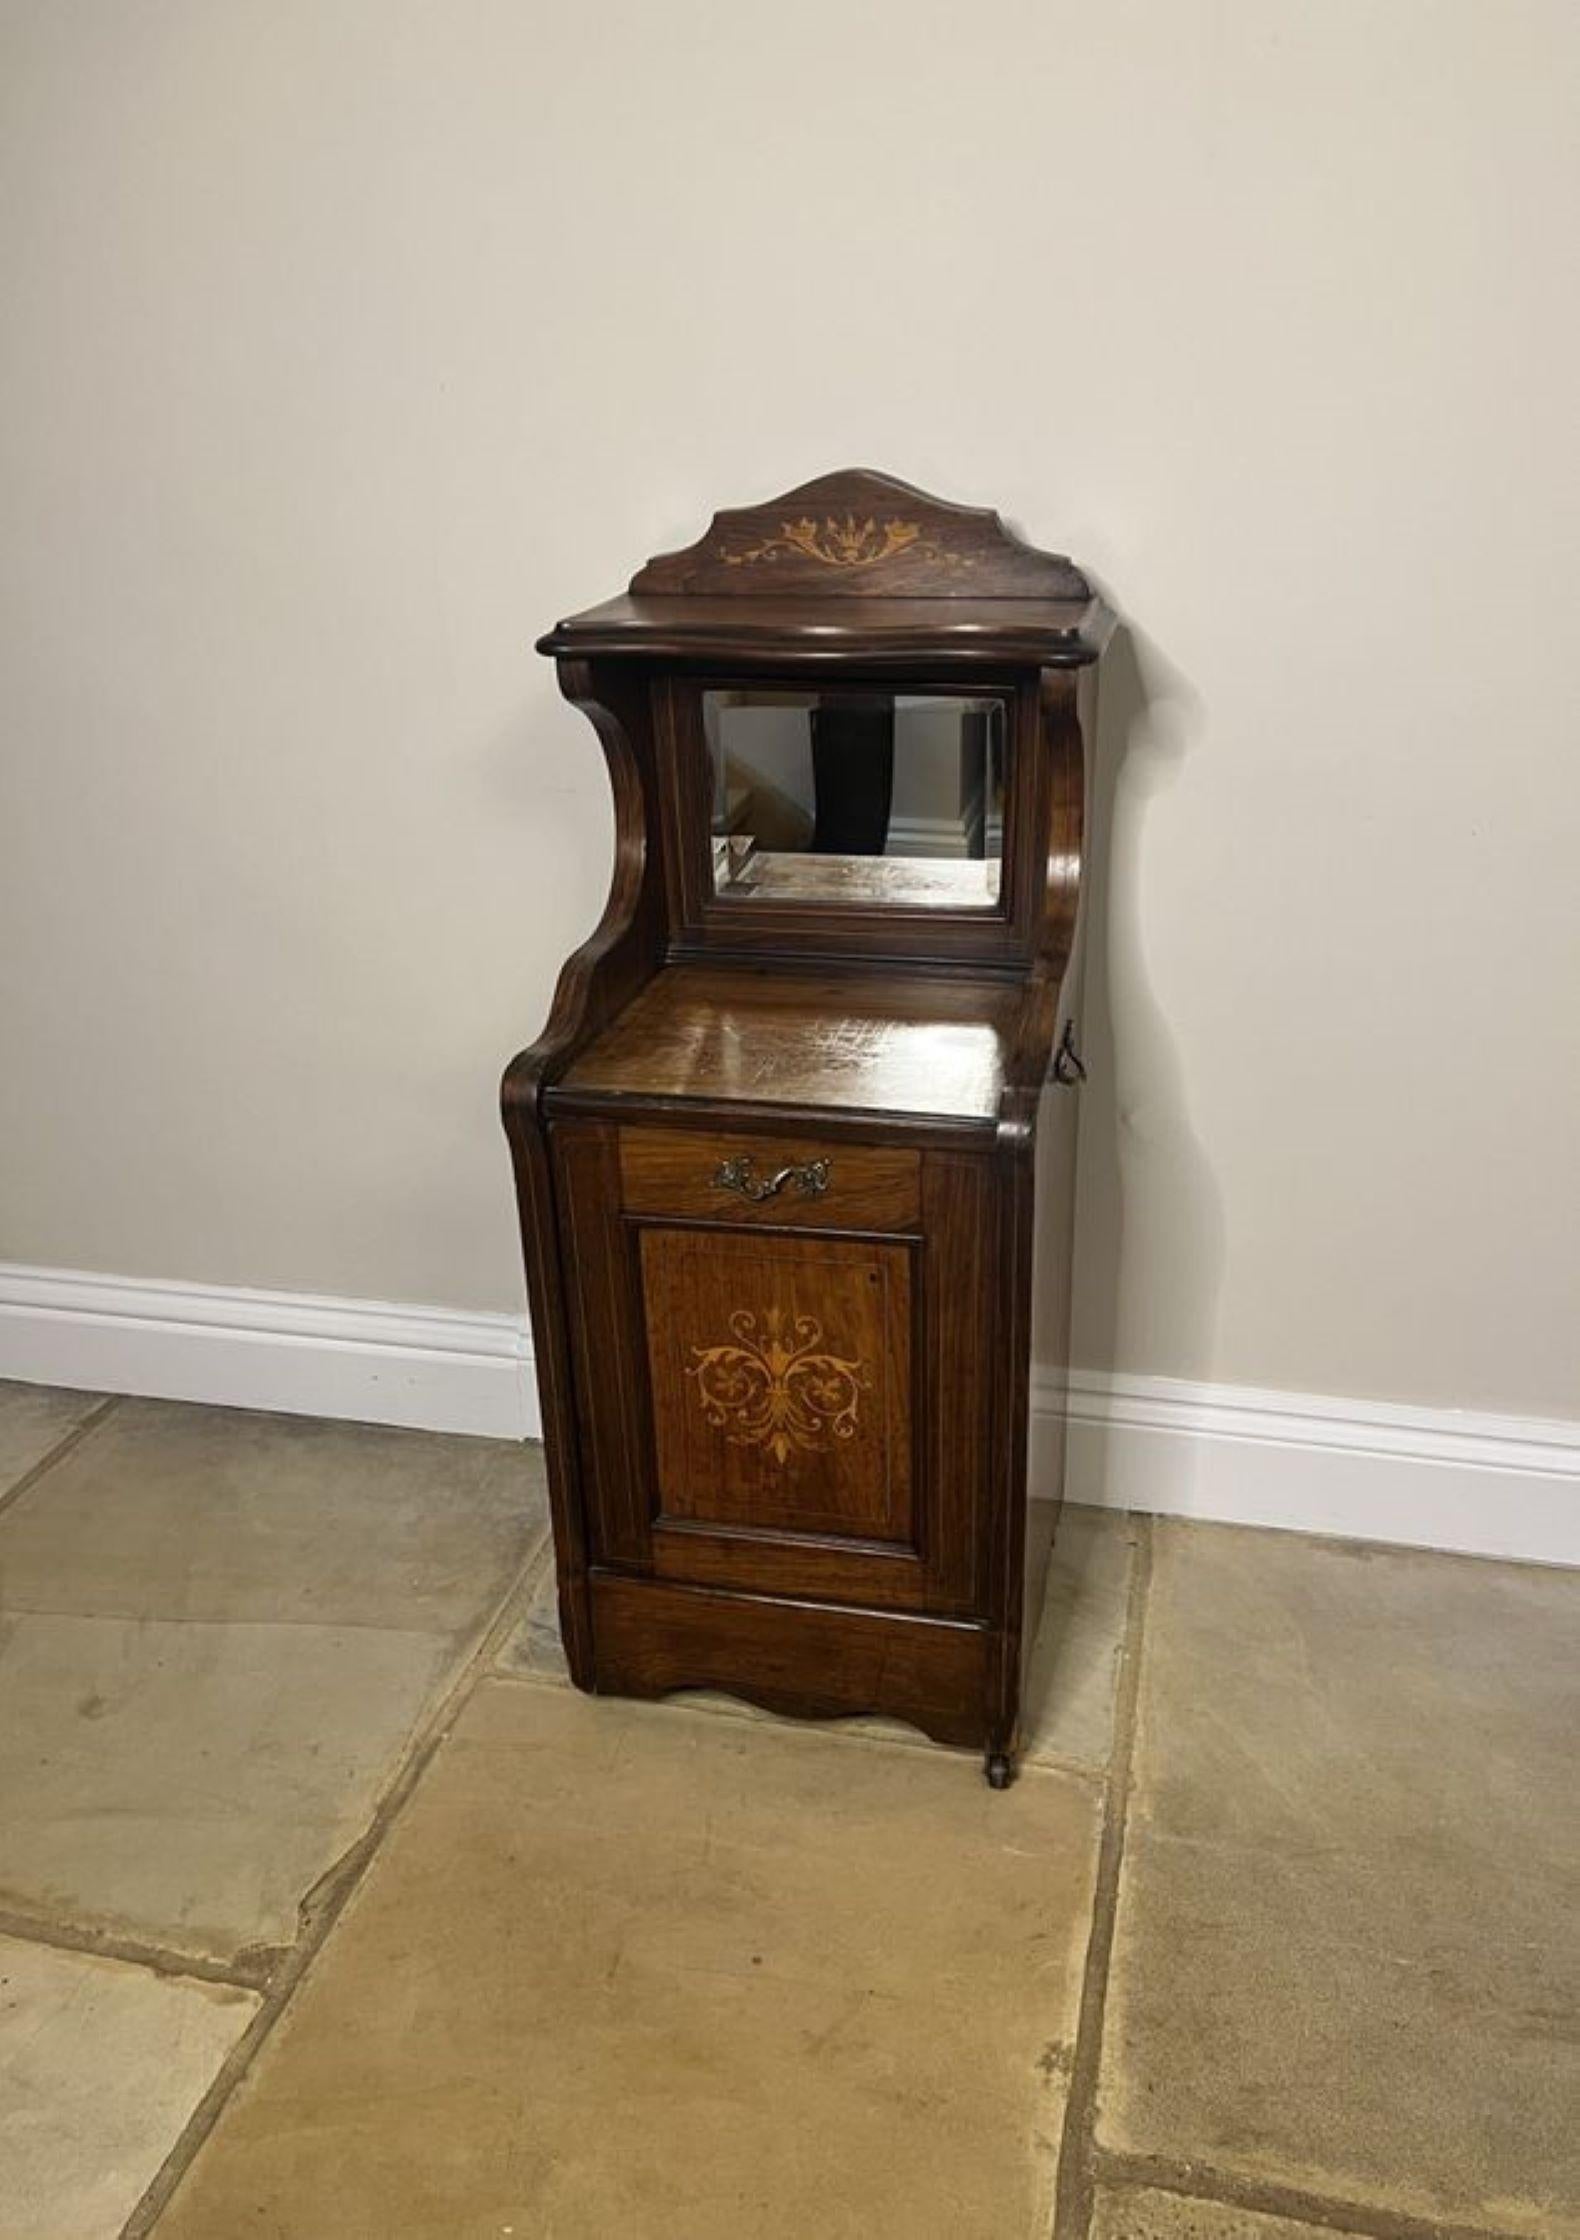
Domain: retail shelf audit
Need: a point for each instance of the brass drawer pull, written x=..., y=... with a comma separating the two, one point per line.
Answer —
x=809, y=1181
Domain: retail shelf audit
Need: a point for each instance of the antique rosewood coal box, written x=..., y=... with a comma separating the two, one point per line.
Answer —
x=791, y=1192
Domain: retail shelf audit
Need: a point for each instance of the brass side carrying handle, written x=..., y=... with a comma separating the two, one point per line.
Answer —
x=809, y=1181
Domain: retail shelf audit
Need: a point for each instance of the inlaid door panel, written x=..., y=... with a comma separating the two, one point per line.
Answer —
x=780, y=1369
x=780, y=1410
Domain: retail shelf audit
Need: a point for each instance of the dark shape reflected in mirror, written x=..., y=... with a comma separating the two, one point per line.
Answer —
x=892, y=799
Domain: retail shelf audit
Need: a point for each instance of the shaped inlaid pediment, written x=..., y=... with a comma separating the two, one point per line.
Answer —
x=859, y=534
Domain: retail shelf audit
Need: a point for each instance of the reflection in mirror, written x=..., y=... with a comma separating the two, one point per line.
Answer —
x=857, y=798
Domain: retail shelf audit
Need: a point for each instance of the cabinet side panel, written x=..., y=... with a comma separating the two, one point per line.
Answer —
x=608, y=1368
x=540, y=1241
x=1050, y=1337
x=958, y=1340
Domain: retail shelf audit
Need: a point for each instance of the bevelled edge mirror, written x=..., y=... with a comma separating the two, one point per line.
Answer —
x=814, y=814
x=856, y=798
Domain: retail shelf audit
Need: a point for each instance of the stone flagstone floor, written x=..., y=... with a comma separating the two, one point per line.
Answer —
x=329, y=1910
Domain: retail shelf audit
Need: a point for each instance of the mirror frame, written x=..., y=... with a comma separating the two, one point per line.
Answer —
x=703, y=920
x=990, y=901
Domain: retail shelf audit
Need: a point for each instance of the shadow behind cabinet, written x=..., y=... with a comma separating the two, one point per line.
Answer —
x=775, y=1149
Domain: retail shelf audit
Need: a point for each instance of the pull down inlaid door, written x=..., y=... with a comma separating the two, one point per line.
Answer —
x=785, y=1410
x=780, y=1370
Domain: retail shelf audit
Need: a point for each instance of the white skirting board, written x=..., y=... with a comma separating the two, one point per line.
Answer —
x=1484, y=1485
x=429, y=1368
x=1479, y=1484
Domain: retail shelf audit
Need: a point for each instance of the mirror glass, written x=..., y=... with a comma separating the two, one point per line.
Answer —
x=857, y=798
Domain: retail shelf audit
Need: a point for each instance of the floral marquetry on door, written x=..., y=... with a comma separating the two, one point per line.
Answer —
x=781, y=1380
x=777, y=1406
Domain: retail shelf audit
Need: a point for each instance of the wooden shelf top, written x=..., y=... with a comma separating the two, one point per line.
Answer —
x=855, y=566
x=924, y=1047
x=883, y=633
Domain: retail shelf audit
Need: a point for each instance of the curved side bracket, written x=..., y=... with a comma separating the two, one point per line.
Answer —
x=1046, y=1021
x=604, y=973
x=623, y=949
x=1044, y=1031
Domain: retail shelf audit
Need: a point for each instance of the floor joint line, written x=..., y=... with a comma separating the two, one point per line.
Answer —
x=58, y=1452
x=132, y=1952
x=1199, y=2181
x=323, y=1904
x=1076, y=2186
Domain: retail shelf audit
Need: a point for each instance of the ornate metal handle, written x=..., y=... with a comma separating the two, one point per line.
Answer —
x=1067, y=1066
x=809, y=1181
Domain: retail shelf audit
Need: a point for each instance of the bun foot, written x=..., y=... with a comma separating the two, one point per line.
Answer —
x=1000, y=1769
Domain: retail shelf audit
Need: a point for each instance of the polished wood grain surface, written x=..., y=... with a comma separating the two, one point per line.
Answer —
x=891, y=1511
x=889, y=635
x=798, y=1656
x=605, y=1316
x=779, y=1370
x=821, y=1567
x=869, y=1043
x=777, y=1158
x=963, y=1374
x=862, y=535
x=768, y=1181
x=853, y=562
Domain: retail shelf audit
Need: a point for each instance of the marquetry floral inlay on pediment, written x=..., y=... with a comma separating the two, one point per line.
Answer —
x=844, y=544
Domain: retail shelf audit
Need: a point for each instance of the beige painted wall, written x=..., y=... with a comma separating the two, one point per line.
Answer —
x=346, y=344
